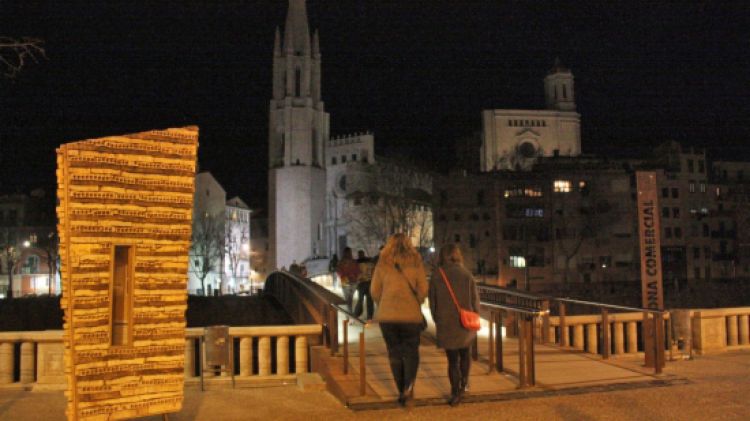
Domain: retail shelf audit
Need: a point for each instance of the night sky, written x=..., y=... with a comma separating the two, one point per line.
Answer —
x=416, y=73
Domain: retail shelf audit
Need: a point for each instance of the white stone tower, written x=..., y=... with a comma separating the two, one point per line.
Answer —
x=298, y=130
x=558, y=88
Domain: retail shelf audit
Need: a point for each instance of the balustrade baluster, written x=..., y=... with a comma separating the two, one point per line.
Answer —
x=592, y=343
x=578, y=340
x=27, y=363
x=264, y=356
x=300, y=354
x=246, y=356
x=731, y=330
x=619, y=334
x=744, y=329
x=282, y=355
x=632, y=337
x=6, y=362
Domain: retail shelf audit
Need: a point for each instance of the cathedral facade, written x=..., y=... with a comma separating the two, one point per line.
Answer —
x=514, y=139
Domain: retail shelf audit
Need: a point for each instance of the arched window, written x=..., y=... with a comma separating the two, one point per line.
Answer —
x=297, y=82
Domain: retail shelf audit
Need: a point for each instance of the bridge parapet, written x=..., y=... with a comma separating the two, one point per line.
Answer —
x=34, y=360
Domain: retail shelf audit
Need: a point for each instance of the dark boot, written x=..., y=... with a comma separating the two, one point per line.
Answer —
x=397, y=369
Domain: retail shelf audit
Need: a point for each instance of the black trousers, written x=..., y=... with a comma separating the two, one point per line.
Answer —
x=402, y=341
x=363, y=289
x=459, y=363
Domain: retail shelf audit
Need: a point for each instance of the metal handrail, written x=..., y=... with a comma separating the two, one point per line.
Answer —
x=513, y=292
x=333, y=320
x=518, y=309
x=611, y=306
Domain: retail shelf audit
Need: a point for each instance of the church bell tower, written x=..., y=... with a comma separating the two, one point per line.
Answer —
x=298, y=130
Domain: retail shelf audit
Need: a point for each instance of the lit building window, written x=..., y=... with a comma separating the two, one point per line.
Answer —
x=561, y=186
x=703, y=187
x=517, y=262
x=534, y=212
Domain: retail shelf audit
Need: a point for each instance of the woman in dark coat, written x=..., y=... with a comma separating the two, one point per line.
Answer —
x=451, y=335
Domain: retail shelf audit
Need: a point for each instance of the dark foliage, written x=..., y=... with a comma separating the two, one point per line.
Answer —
x=31, y=313
x=44, y=312
x=235, y=310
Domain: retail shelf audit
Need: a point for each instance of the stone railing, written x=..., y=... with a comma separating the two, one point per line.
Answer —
x=584, y=332
x=34, y=360
x=720, y=329
x=713, y=330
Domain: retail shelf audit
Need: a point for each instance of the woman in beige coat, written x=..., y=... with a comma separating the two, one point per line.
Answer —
x=399, y=287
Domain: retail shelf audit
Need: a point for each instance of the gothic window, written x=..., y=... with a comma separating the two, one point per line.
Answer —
x=297, y=82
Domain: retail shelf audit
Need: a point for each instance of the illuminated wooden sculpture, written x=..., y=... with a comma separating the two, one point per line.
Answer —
x=125, y=213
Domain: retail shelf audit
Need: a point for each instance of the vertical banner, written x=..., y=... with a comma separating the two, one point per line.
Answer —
x=650, y=238
x=649, y=232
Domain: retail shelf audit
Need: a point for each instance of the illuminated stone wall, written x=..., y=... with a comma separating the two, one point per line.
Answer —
x=125, y=213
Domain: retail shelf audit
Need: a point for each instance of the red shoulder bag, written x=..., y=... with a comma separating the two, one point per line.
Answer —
x=469, y=319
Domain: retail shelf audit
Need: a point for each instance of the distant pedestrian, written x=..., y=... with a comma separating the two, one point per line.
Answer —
x=363, y=286
x=451, y=335
x=348, y=271
x=399, y=287
x=332, y=265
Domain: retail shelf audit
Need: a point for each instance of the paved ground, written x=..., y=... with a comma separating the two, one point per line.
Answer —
x=717, y=389
x=555, y=369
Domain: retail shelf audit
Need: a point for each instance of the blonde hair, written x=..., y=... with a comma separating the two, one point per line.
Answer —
x=399, y=250
x=450, y=253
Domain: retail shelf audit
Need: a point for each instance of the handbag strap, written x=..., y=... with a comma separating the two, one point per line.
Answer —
x=403, y=276
x=450, y=289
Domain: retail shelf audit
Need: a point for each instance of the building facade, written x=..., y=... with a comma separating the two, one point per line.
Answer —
x=513, y=139
x=28, y=245
x=237, y=267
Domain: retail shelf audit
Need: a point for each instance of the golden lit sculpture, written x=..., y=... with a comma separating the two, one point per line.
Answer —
x=125, y=214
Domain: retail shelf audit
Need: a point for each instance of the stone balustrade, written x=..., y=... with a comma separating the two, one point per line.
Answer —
x=713, y=330
x=34, y=360
x=583, y=332
x=720, y=329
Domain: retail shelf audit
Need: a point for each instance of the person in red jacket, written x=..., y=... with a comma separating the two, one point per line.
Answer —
x=348, y=271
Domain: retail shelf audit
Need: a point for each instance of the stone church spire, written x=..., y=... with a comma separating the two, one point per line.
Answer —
x=297, y=134
x=296, y=31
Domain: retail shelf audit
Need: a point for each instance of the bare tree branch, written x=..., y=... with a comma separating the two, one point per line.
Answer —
x=15, y=53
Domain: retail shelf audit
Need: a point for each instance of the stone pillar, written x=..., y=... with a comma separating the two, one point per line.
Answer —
x=300, y=354
x=578, y=340
x=744, y=329
x=6, y=363
x=206, y=371
x=189, y=358
x=27, y=362
x=619, y=338
x=592, y=344
x=632, y=330
x=264, y=356
x=551, y=334
x=282, y=355
x=246, y=357
x=564, y=335
x=731, y=330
